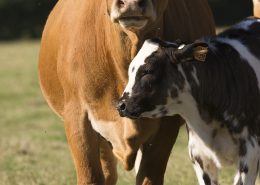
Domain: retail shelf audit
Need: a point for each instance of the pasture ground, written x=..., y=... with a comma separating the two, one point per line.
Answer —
x=33, y=148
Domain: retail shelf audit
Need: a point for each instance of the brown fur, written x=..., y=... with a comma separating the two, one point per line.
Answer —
x=83, y=66
x=256, y=4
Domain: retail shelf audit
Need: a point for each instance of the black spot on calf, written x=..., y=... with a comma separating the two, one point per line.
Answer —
x=198, y=159
x=174, y=92
x=206, y=179
x=242, y=147
x=243, y=168
x=164, y=112
x=179, y=102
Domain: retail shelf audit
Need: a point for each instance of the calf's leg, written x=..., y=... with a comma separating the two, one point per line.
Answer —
x=248, y=163
x=205, y=168
x=84, y=144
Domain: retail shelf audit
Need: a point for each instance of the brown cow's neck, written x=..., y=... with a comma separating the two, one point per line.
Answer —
x=130, y=42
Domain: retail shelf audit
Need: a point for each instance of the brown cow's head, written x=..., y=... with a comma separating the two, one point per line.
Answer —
x=135, y=14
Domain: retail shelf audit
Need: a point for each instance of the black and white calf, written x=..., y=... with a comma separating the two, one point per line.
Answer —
x=214, y=84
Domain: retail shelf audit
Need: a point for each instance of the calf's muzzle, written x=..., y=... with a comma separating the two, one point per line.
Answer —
x=124, y=111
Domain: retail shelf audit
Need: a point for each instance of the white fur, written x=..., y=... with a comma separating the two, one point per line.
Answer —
x=197, y=148
x=115, y=12
x=147, y=49
x=236, y=179
x=138, y=160
x=194, y=75
x=187, y=85
x=181, y=46
x=114, y=15
x=134, y=24
x=245, y=54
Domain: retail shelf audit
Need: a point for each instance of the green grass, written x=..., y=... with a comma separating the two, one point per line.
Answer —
x=33, y=148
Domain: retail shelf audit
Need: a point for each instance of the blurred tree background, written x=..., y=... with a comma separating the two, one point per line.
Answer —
x=23, y=18
x=26, y=18
x=228, y=12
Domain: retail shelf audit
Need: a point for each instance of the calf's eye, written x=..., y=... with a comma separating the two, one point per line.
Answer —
x=146, y=81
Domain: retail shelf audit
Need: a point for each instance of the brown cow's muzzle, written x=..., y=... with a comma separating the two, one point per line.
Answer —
x=133, y=14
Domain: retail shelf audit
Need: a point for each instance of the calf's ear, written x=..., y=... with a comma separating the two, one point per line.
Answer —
x=196, y=51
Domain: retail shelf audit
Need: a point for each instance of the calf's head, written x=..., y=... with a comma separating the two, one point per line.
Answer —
x=156, y=80
x=135, y=14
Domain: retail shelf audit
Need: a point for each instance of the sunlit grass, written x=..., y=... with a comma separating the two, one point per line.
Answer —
x=33, y=148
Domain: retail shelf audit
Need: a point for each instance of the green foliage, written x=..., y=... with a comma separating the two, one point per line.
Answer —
x=26, y=18
x=228, y=12
x=23, y=18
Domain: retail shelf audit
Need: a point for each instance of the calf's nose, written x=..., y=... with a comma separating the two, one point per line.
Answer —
x=121, y=108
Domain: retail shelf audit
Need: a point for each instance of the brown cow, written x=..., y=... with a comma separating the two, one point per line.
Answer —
x=256, y=4
x=86, y=48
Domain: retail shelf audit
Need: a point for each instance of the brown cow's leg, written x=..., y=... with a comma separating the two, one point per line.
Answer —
x=84, y=145
x=108, y=162
x=156, y=154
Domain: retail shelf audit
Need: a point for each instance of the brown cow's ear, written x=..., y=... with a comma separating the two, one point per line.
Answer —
x=196, y=51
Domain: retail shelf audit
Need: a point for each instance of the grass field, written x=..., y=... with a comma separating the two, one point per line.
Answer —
x=33, y=148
